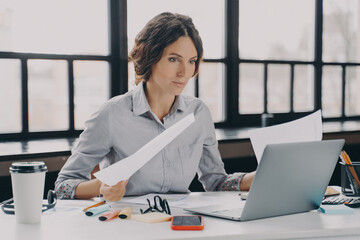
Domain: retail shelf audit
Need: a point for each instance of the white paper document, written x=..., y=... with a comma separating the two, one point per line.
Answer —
x=305, y=129
x=125, y=168
x=176, y=200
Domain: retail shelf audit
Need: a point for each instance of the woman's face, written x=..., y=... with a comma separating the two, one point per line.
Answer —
x=176, y=66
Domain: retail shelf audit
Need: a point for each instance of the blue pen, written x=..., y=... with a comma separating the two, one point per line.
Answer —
x=97, y=210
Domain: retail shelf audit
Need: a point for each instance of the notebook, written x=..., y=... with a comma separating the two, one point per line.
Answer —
x=291, y=178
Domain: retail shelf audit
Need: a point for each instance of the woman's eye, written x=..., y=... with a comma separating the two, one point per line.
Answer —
x=172, y=59
x=193, y=61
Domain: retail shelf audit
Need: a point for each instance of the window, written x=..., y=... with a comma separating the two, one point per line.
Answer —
x=91, y=89
x=276, y=53
x=54, y=65
x=278, y=88
x=352, y=84
x=341, y=42
x=60, y=61
x=341, y=31
x=331, y=91
x=10, y=96
x=54, y=27
x=211, y=88
x=303, y=88
x=251, y=88
x=276, y=29
x=48, y=95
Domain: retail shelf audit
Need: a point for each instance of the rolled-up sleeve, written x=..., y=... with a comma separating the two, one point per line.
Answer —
x=231, y=183
x=211, y=172
x=93, y=145
x=211, y=167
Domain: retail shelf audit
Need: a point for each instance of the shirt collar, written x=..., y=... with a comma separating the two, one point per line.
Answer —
x=141, y=105
x=179, y=103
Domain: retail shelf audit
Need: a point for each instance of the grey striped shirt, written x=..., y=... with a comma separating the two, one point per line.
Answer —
x=124, y=124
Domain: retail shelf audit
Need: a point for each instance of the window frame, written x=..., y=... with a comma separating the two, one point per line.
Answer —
x=116, y=59
x=232, y=117
x=118, y=62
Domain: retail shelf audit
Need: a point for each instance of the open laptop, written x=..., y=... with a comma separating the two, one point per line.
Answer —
x=291, y=178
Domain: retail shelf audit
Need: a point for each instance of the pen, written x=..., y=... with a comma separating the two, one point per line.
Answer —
x=95, y=205
x=97, y=210
x=109, y=215
x=347, y=157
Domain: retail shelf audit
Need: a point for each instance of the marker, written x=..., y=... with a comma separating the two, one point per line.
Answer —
x=125, y=213
x=95, y=205
x=109, y=215
x=97, y=210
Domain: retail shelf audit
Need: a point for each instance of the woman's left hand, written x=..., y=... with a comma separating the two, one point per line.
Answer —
x=246, y=181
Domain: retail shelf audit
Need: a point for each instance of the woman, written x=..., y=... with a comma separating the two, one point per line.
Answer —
x=166, y=55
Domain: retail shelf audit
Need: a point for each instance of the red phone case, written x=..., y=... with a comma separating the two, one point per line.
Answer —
x=188, y=227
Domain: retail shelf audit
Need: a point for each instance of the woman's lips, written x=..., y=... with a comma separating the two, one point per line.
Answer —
x=179, y=84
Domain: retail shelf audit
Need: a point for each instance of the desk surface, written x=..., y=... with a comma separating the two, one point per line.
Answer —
x=69, y=222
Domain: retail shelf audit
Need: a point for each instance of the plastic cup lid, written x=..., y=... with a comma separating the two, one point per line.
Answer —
x=28, y=167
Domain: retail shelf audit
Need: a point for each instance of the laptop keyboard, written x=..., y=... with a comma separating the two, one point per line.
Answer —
x=338, y=200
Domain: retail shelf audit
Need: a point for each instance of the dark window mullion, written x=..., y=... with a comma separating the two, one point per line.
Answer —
x=291, y=88
x=196, y=88
x=343, y=85
x=47, y=56
x=118, y=47
x=214, y=60
x=24, y=97
x=265, y=88
x=71, y=95
x=232, y=61
x=318, y=63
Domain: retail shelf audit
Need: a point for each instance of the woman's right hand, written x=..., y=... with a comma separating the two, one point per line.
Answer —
x=113, y=193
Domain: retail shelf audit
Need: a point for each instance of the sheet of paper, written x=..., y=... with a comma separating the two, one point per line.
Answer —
x=308, y=128
x=125, y=168
x=176, y=200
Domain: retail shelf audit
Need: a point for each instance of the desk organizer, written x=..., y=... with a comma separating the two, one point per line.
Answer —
x=350, y=183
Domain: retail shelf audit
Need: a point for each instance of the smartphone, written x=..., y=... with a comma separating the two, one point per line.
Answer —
x=192, y=222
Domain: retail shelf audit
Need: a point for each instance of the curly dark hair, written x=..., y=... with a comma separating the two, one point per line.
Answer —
x=161, y=31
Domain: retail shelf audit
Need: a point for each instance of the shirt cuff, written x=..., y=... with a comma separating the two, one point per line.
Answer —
x=232, y=182
x=66, y=190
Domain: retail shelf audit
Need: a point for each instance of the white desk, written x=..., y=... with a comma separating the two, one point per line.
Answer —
x=73, y=224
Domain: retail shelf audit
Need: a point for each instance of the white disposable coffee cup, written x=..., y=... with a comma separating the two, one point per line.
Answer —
x=28, y=179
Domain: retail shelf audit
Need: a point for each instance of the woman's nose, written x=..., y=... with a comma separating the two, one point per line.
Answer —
x=181, y=70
